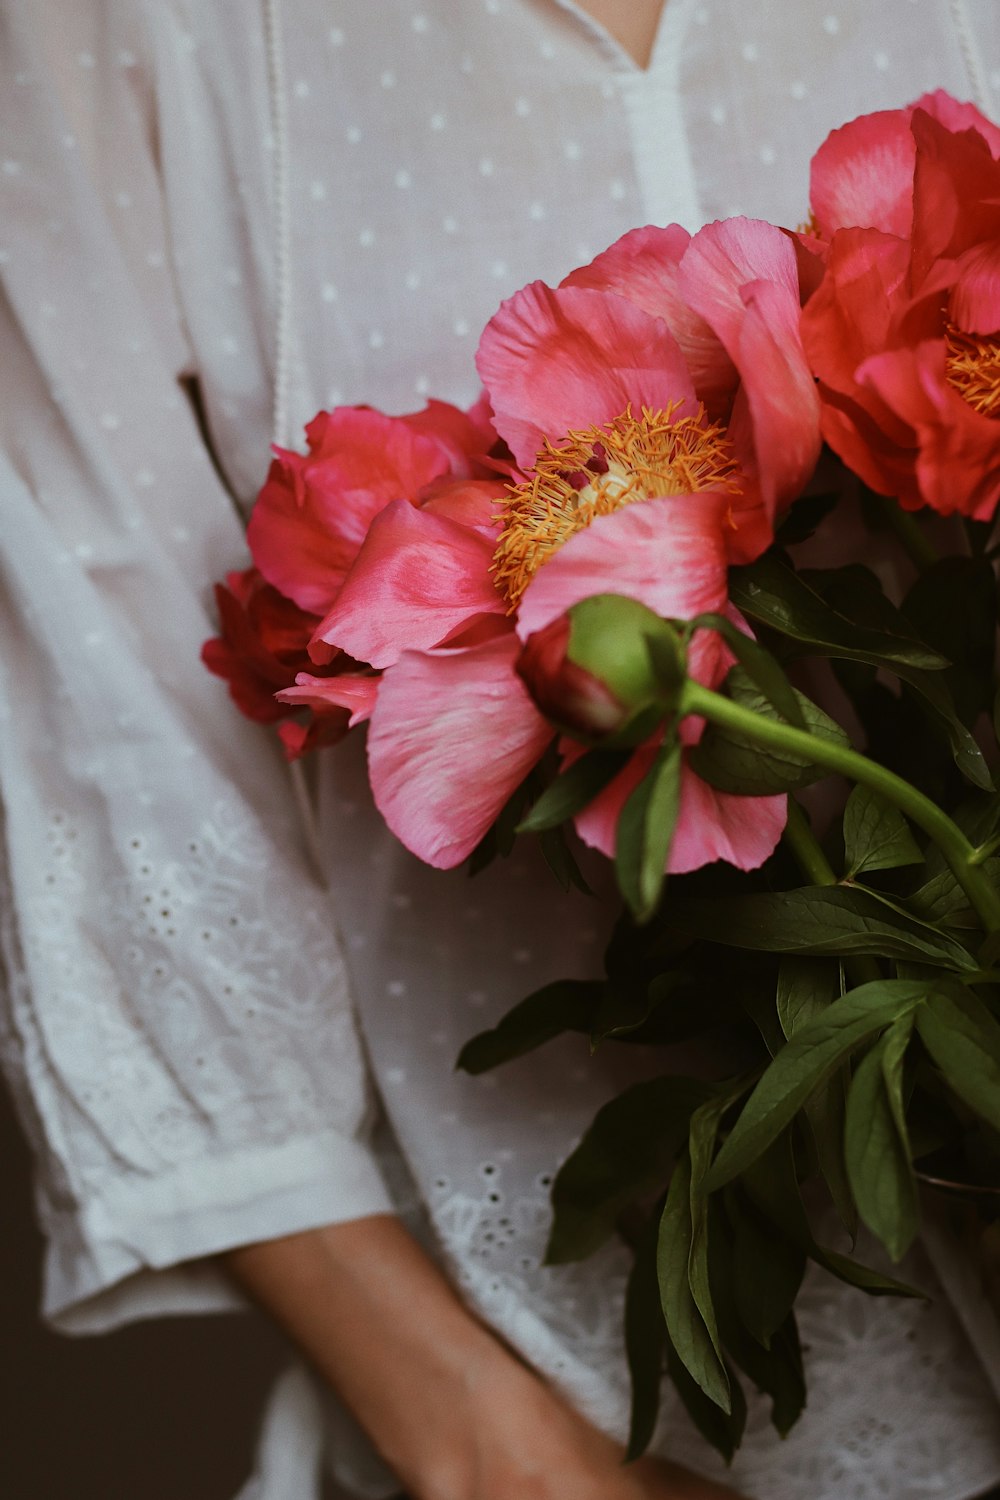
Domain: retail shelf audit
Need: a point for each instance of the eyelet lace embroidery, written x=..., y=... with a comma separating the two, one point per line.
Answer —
x=212, y=1026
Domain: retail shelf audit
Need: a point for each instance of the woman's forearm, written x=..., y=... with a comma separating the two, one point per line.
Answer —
x=384, y=1328
x=453, y=1411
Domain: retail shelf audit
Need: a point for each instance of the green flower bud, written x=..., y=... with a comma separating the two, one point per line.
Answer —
x=609, y=667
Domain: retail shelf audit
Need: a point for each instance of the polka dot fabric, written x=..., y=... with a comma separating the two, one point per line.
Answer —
x=183, y=1028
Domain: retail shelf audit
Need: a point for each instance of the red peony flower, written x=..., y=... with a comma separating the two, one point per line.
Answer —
x=263, y=642
x=904, y=328
x=262, y=651
x=862, y=175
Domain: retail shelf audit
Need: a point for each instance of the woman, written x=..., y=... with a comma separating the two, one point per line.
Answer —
x=207, y=210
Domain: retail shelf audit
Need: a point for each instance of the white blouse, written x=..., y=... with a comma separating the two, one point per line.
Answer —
x=184, y=1030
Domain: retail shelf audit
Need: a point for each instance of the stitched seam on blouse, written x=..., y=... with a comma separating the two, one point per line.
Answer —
x=277, y=88
x=971, y=55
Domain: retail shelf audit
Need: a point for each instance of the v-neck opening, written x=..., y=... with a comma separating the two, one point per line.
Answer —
x=611, y=43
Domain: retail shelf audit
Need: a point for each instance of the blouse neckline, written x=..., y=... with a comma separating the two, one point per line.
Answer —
x=616, y=51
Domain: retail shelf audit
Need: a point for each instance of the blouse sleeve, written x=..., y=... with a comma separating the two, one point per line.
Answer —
x=176, y=1025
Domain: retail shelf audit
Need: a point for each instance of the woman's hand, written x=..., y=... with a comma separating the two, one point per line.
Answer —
x=452, y=1410
x=527, y=1444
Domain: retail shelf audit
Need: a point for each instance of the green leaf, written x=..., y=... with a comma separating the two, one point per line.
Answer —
x=761, y=668
x=701, y=1146
x=673, y=1006
x=627, y=1007
x=566, y=1005
x=805, y=515
x=772, y=1185
x=769, y=592
x=942, y=897
x=856, y=592
x=935, y=694
x=734, y=763
x=625, y=1155
x=806, y=987
x=723, y=1432
x=767, y=1273
x=877, y=1144
x=963, y=1038
x=645, y=1341
x=500, y=837
x=778, y=1372
x=689, y=1337
x=865, y=1278
x=876, y=835
x=953, y=605
x=573, y=790
x=760, y=1005
x=808, y=1061
x=776, y=1368
x=561, y=861
x=679, y=1006
x=818, y=920
x=646, y=831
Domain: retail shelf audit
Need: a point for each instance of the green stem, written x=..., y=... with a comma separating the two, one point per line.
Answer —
x=773, y=734
x=813, y=862
x=806, y=847
x=921, y=551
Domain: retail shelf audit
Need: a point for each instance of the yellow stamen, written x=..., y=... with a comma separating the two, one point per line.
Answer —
x=596, y=472
x=972, y=362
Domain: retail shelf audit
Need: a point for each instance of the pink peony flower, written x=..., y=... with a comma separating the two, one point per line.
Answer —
x=661, y=413
x=904, y=328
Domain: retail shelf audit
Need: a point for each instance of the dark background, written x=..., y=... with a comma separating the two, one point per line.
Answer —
x=162, y=1410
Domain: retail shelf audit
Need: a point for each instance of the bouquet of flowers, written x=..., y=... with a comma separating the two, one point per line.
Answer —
x=601, y=606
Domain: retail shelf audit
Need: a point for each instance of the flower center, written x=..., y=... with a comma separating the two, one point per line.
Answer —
x=596, y=472
x=972, y=363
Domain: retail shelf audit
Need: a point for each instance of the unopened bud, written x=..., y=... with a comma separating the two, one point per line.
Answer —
x=609, y=664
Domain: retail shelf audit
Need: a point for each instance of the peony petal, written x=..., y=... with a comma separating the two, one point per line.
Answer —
x=711, y=825
x=783, y=405
x=356, y=691
x=315, y=509
x=643, y=267
x=742, y=276
x=742, y=831
x=956, y=115
x=862, y=175
x=850, y=319
x=418, y=577
x=453, y=734
x=469, y=502
x=463, y=436
x=975, y=300
x=727, y=256
x=850, y=316
x=956, y=195
x=669, y=554
x=555, y=361
x=956, y=449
